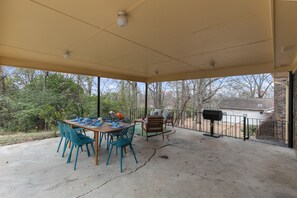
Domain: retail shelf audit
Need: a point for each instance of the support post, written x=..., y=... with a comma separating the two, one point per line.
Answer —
x=145, y=102
x=212, y=134
x=290, y=111
x=98, y=97
x=211, y=127
x=244, y=128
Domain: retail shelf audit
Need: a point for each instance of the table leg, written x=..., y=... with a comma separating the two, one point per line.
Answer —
x=96, y=148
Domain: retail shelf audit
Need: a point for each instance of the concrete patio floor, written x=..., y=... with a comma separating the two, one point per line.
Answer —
x=197, y=166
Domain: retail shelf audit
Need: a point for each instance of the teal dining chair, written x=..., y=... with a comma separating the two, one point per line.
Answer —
x=62, y=134
x=78, y=141
x=65, y=127
x=125, y=139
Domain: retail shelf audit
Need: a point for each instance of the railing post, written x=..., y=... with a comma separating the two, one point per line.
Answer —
x=244, y=128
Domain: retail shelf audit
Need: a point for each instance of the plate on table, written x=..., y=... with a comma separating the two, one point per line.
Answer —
x=117, y=127
x=73, y=122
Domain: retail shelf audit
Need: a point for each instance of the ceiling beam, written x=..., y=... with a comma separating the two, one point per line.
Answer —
x=222, y=72
x=66, y=69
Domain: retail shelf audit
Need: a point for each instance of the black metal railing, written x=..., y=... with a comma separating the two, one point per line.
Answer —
x=231, y=125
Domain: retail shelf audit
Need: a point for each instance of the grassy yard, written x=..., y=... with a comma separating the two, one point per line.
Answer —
x=14, y=138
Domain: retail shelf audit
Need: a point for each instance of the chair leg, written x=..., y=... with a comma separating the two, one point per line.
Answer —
x=77, y=150
x=107, y=142
x=100, y=139
x=93, y=148
x=132, y=149
x=70, y=153
x=125, y=150
x=65, y=146
x=121, y=160
x=87, y=150
x=84, y=131
x=146, y=137
x=59, y=144
x=109, y=153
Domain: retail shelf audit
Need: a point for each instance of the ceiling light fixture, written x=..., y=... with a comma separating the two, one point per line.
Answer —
x=122, y=18
x=287, y=48
x=212, y=65
x=66, y=54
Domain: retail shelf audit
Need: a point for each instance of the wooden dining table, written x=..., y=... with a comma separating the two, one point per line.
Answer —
x=105, y=128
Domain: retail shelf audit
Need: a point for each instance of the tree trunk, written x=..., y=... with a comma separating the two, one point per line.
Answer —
x=2, y=81
x=90, y=85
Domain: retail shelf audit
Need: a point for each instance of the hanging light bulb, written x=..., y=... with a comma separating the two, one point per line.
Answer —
x=212, y=65
x=66, y=54
x=122, y=18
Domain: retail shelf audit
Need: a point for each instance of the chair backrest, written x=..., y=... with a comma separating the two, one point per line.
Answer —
x=73, y=136
x=67, y=130
x=61, y=129
x=127, y=133
x=154, y=124
x=170, y=116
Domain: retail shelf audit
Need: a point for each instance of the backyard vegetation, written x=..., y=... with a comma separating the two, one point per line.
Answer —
x=14, y=138
x=32, y=101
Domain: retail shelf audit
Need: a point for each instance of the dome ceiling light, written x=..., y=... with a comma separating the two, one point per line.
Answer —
x=66, y=54
x=122, y=18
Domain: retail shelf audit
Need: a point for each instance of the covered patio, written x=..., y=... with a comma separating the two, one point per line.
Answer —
x=166, y=40
x=196, y=166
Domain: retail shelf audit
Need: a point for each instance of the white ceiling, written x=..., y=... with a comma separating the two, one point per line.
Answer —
x=178, y=39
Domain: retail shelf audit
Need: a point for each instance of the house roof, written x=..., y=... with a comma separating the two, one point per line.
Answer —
x=163, y=40
x=254, y=104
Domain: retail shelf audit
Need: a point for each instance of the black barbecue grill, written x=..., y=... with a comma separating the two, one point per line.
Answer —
x=212, y=115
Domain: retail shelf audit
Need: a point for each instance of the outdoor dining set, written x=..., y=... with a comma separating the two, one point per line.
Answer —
x=117, y=133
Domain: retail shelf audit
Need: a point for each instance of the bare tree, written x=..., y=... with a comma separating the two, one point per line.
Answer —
x=204, y=90
x=86, y=82
x=24, y=77
x=157, y=94
x=252, y=86
x=2, y=80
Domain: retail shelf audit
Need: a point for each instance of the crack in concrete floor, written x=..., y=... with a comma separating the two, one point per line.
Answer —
x=114, y=178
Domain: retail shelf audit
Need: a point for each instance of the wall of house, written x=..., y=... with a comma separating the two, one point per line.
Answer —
x=280, y=98
x=280, y=108
x=229, y=115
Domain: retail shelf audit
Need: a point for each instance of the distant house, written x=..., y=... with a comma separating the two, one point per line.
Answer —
x=258, y=108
